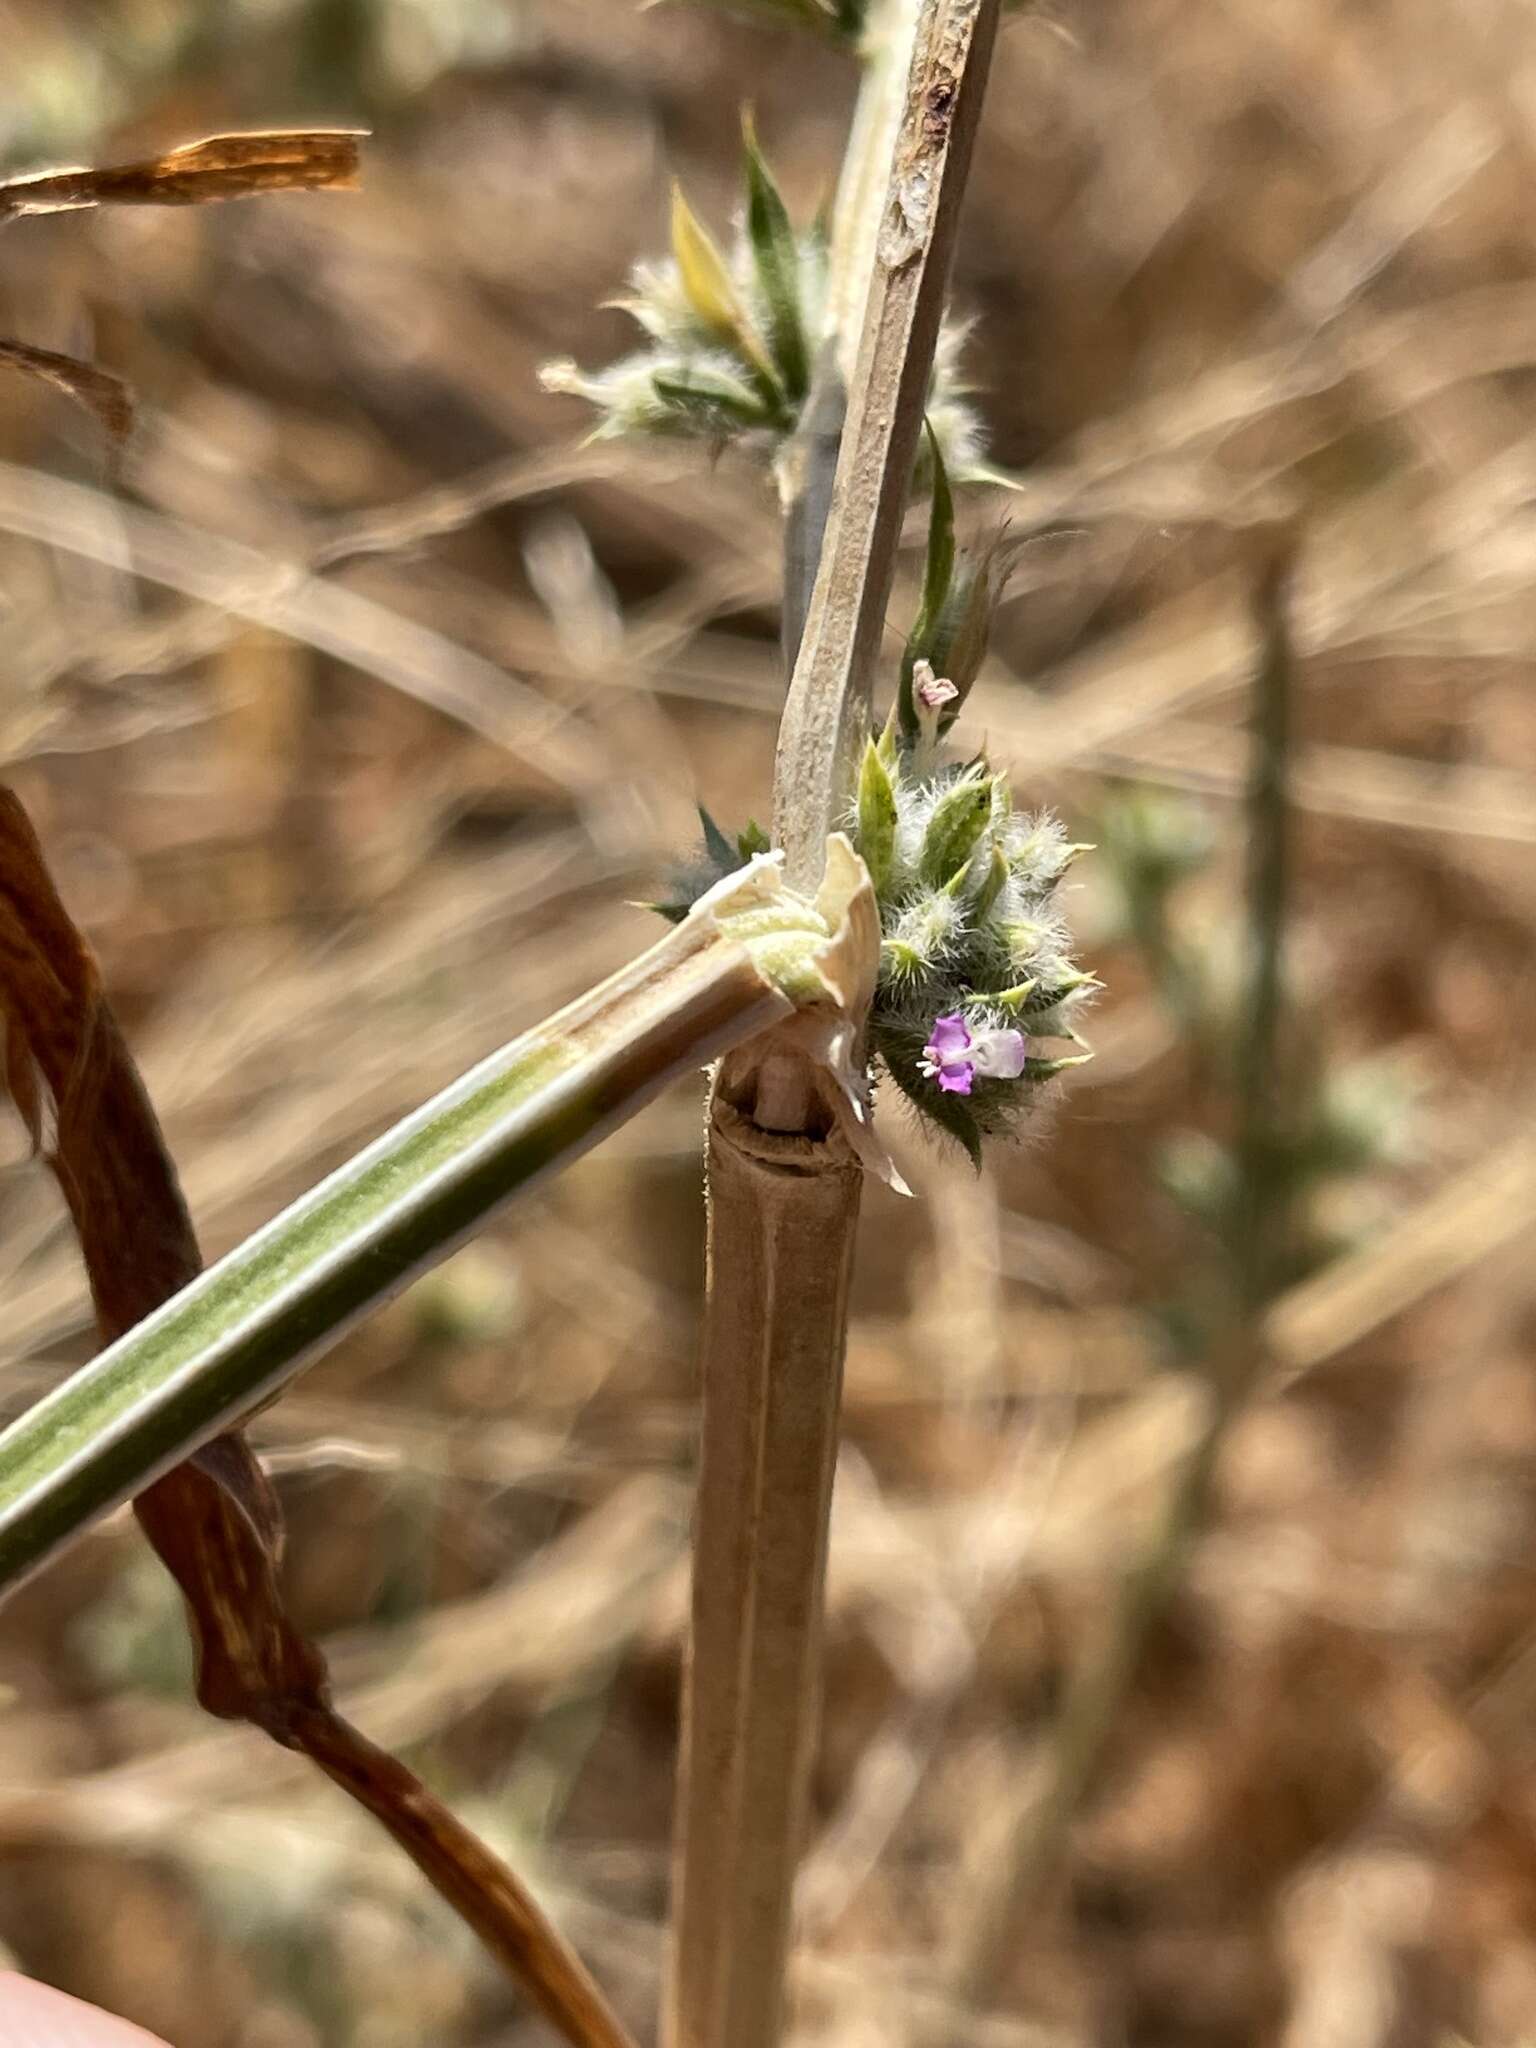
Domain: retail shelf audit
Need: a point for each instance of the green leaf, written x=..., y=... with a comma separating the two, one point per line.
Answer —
x=710, y=401
x=1015, y=998
x=890, y=735
x=674, y=912
x=900, y=960
x=877, y=817
x=776, y=261
x=1046, y=996
x=752, y=840
x=954, y=1116
x=961, y=629
x=716, y=845
x=939, y=569
x=993, y=884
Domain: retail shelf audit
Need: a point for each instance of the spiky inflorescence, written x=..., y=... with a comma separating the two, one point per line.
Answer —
x=977, y=1001
x=967, y=889
x=977, y=996
x=731, y=339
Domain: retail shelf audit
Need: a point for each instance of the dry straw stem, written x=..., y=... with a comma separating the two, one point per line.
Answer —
x=885, y=52
x=828, y=710
x=808, y=465
x=784, y=1184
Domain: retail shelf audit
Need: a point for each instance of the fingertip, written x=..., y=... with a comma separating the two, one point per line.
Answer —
x=34, y=2015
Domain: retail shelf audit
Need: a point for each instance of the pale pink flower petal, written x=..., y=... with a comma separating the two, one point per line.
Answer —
x=1000, y=1054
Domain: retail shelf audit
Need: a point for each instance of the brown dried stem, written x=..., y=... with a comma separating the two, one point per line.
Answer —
x=218, y=167
x=784, y=1185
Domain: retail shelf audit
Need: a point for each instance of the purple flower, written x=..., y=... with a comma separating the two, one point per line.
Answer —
x=954, y=1055
x=947, y=1055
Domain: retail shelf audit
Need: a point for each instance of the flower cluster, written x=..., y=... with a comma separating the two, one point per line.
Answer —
x=977, y=1000
x=732, y=339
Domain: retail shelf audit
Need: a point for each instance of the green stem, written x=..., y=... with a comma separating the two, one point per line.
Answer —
x=250, y=1323
x=1258, y=1076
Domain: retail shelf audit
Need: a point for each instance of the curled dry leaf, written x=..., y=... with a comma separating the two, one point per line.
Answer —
x=215, y=1520
x=108, y=397
x=848, y=965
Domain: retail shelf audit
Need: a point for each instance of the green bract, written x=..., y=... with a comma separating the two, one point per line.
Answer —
x=732, y=336
x=968, y=888
x=972, y=926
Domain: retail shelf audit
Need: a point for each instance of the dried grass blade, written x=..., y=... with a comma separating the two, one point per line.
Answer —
x=218, y=167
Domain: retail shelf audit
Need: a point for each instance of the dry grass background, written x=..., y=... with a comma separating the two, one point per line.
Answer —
x=354, y=723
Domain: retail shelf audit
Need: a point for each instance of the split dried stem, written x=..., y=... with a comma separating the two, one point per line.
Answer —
x=784, y=1185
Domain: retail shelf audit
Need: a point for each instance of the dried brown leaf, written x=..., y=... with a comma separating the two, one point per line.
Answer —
x=108, y=397
x=219, y=167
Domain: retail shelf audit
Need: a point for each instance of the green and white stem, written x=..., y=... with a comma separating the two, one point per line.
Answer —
x=751, y=953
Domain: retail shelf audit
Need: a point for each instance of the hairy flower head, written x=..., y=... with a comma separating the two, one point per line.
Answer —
x=731, y=336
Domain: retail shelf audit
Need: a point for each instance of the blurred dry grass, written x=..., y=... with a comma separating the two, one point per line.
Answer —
x=351, y=731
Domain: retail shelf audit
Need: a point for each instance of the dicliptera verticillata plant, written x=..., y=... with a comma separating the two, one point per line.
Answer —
x=974, y=1003
x=902, y=922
